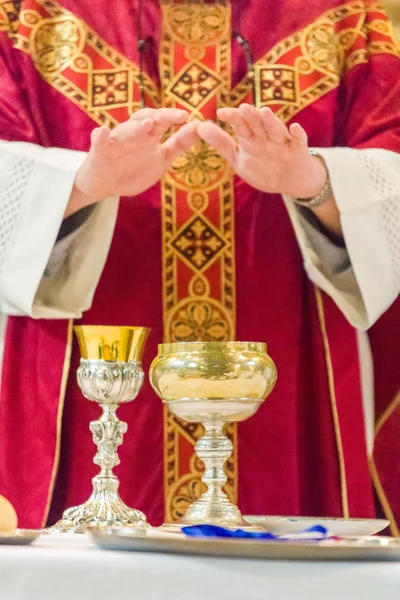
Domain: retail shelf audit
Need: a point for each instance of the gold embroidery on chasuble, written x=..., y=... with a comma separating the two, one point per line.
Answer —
x=310, y=63
x=296, y=72
x=9, y=15
x=198, y=227
x=197, y=203
x=76, y=61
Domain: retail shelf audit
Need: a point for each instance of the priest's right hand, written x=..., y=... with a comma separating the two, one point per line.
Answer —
x=131, y=158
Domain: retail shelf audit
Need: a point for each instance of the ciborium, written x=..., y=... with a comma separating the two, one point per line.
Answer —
x=110, y=373
x=213, y=383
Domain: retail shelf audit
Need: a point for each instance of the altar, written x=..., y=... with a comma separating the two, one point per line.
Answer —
x=67, y=566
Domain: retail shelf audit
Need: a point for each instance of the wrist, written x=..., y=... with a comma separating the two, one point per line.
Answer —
x=316, y=181
x=81, y=195
x=78, y=199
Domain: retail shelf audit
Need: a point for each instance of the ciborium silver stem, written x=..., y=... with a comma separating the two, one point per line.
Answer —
x=109, y=381
x=214, y=506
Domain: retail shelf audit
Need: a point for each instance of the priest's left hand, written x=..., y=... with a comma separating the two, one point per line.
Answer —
x=268, y=155
x=272, y=158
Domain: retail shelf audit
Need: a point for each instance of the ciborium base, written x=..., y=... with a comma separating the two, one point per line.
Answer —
x=213, y=507
x=104, y=509
x=208, y=512
x=176, y=526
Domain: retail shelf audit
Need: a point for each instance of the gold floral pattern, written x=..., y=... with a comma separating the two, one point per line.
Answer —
x=110, y=88
x=277, y=85
x=199, y=320
x=56, y=43
x=323, y=48
x=195, y=85
x=197, y=22
x=199, y=242
x=10, y=11
x=201, y=167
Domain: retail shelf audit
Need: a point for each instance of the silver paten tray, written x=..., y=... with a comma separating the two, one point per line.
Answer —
x=365, y=549
x=20, y=537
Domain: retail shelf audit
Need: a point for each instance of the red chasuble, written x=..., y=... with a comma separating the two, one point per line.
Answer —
x=202, y=255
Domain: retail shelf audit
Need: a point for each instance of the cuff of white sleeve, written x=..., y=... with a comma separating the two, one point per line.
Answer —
x=340, y=285
x=69, y=290
x=333, y=258
x=44, y=203
x=60, y=253
x=361, y=207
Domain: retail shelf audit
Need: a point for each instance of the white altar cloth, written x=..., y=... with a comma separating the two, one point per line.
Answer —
x=70, y=567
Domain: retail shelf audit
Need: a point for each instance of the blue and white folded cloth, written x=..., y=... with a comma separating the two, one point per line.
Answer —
x=312, y=534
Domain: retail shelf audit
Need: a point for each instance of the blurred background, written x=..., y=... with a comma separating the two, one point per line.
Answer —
x=393, y=8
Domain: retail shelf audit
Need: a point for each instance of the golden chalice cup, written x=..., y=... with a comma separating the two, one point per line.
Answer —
x=213, y=383
x=110, y=373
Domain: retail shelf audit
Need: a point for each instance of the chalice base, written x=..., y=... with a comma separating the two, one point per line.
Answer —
x=104, y=509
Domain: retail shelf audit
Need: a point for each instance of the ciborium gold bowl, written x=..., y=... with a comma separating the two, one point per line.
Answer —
x=213, y=383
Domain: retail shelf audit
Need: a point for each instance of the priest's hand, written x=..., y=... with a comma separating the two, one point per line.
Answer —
x=131, y=158
x=268, y=155
x=272, y=158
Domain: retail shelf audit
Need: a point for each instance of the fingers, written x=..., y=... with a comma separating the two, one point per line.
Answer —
x=146, y=121
x=237, y=120
x=250, y=122
x=253, y=119
x=256, y=128
x=163, y=121
x=180, y=141
x=163, y=118
x=99, y=136
x=275, y=129
x=220, y=140
x=145, y=113
x=299, y=137
x=131, y=130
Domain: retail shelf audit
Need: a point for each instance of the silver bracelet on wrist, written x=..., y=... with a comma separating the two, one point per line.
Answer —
x=320, y=198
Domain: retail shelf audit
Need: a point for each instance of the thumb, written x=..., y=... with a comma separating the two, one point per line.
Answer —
x=99, y=137
x=299, y=137
x=220, y=140
x=180, y=141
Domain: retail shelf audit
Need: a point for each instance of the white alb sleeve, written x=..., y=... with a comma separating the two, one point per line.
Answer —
x=364, y=278
x=35, y=186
